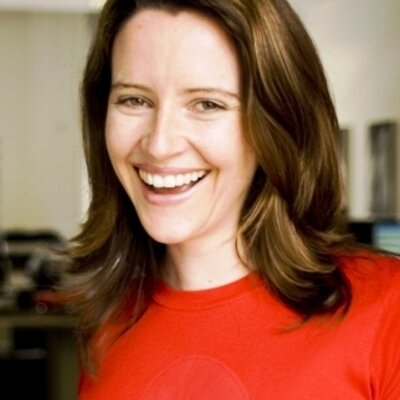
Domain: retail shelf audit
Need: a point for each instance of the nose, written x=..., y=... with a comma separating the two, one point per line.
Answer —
x=164, y=138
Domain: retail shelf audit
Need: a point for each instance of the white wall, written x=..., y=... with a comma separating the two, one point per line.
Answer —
x=41, y=64
x=51, y=5
x=359, y=43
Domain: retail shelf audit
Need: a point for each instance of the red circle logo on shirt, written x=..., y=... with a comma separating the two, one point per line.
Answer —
x=196, y=378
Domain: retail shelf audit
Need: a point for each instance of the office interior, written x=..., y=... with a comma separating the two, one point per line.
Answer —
x=43, y=185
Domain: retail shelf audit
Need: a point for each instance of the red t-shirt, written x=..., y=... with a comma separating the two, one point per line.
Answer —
x=239, y=342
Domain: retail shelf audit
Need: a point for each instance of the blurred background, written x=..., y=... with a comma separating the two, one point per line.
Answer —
x=43, y=189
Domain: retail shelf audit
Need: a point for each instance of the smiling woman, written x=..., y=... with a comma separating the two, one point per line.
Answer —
x=214, y=239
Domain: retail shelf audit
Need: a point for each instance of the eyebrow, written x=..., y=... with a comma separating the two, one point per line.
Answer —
x=212, y=90
x=208, y=90
x=126, y=85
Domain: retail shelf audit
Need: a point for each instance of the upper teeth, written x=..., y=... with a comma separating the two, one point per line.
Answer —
x=170, y=181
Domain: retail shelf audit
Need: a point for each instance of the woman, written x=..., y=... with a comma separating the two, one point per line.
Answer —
x=213, y=262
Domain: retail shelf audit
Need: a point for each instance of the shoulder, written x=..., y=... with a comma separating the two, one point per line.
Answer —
x=375, y=311
x=371, y=273
x=374, y=281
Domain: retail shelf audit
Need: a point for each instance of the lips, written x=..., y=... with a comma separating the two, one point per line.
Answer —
x=171, y=181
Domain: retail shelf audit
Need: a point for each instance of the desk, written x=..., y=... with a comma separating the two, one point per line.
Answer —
x=60, y=349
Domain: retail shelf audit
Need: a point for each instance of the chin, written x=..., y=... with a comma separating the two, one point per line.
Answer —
x=166, y=236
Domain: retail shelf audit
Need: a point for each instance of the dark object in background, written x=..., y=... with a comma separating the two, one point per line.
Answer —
x=383, y=235
x=384, y=169
x=28, y=265
x=23, y=377
x=28, y=271
x=362, y=231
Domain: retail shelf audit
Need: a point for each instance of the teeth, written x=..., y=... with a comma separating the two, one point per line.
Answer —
x=170, y=181
x=187, y=179
x=158, y=181
x=180, y=180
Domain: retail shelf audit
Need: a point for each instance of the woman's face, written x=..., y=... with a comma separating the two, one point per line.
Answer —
x=174, y=127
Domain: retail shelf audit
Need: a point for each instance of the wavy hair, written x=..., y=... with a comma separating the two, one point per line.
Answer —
x=291, y=224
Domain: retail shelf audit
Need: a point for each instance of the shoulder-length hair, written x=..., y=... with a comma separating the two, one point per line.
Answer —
x=291, y=221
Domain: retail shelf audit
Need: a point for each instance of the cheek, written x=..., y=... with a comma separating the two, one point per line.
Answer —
x=226, y=147
x=119, y=138
x=119, y=145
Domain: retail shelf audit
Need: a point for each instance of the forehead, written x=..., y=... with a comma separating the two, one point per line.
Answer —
x=184, y=43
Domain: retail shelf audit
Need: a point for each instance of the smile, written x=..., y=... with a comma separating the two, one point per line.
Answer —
x=171, y=181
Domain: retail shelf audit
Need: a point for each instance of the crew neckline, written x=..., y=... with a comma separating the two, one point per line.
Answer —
x=170, y=297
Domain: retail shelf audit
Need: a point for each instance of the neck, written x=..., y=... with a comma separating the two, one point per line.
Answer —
x=195, y=267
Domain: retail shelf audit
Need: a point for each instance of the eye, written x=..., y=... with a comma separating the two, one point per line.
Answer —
x=205, y=106
x=134, y=102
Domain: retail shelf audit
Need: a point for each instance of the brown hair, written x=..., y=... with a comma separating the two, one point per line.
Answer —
x=291, y=221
